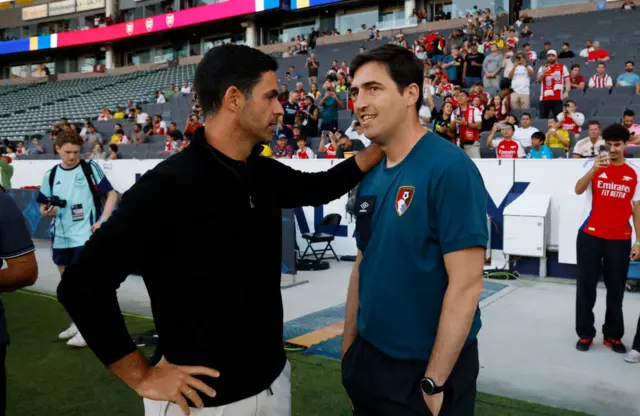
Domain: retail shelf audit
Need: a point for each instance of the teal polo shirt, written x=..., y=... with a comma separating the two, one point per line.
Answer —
x=408, y=217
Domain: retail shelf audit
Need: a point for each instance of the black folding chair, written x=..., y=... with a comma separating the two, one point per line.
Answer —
x=330, y=223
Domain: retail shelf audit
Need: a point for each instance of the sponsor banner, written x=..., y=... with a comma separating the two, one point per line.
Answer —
x=181, y=18
x=35, y=12
x=158, y=23
x=62, y=7
x=303, y=4
x=82, y=5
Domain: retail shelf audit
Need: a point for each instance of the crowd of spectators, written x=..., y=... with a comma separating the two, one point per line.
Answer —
x=483, y=77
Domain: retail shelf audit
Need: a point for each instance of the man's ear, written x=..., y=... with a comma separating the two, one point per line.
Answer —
x=233, y=99
x=412, y=92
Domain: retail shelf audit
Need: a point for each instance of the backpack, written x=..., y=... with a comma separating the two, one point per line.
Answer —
x=98, y=199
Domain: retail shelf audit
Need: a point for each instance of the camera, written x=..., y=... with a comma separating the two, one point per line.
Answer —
x=55, y=201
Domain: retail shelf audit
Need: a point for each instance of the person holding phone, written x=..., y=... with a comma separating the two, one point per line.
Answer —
x=604, y=245
x=520, y=76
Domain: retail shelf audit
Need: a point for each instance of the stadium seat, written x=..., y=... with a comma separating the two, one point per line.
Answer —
x=486, y=153
x=558, y=152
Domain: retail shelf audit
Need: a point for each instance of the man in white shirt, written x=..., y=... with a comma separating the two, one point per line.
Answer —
x=601, y=79
x=585, y=52
x=523, y=133
x=356, y=132
x=592, y=145
x=161, y=99
x=141, y=117
x=520, y=76
x=186, y=89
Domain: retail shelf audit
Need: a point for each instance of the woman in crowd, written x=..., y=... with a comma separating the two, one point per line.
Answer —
x=98, y=152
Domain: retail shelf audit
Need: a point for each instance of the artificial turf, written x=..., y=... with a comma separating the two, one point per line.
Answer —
x=48, y=378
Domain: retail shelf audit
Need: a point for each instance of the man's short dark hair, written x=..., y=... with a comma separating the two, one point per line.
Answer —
x=628, y=113
x=593, y=123
x=490, y=107
x=229, y=65
x=159, y=116
x=506, y=123
x=547, y=43
x=538, y=135
x=90, y=125
x=526, y=114
x=566, y=103
x=120, y=132
x=602, y=63
x=630, y=62
x=464, y=92
x=68, y=137
x=616, y=132
x=526, y=44
x=403, y=67
x=575, y=66
x=173, y=124
x=565, y=43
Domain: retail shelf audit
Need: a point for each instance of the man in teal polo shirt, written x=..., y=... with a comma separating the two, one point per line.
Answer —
x=412, y=318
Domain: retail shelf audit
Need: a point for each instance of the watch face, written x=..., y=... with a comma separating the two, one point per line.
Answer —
x=428, y=386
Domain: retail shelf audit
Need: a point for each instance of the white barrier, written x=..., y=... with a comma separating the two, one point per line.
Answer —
x=556, y=178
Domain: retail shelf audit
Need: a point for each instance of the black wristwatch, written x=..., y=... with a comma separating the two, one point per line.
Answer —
x=429, y=387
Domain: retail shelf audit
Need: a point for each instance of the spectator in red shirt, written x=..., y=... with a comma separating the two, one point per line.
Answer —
x=577, y=79
x=160, y=127
x=598, y=54
x=283, y=97
x=506, y=148
x=604, y=244
x=192, y=124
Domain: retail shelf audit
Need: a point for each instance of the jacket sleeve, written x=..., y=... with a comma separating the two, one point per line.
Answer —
x=88, y=287
x=314, y=189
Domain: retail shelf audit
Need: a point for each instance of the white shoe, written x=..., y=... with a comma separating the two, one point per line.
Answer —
x=69, y=332
x=632, y=356
x=77, y=341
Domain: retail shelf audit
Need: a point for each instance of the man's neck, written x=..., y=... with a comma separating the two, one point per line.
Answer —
x=594, y=141
x=538, y=148
x=618, y=162
x=223, y=134
x=402, y=142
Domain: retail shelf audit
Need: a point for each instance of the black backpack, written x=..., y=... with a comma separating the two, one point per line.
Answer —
x=98, y=199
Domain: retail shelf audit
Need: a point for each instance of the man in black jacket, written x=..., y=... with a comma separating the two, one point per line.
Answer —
x=217, y=307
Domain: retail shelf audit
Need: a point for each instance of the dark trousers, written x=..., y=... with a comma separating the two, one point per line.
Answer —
x=636, y=340
x=3, y=380
x=610, y=259
x=549, y=109
x=379, y=385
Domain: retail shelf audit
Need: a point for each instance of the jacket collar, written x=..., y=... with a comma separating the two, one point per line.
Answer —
x=199, y=144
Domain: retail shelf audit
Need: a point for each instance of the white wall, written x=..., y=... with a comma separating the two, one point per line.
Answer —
x=555, y=178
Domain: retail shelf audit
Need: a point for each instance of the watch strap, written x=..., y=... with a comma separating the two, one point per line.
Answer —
x=429, y=387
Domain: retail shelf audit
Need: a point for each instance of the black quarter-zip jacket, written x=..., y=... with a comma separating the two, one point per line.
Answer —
x=205, y=232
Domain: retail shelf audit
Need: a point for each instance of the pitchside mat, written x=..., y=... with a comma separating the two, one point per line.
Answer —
x=320, y=332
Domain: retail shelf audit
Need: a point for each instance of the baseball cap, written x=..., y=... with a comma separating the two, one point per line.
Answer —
x=310, y=95
x=282, y=136
x=552, y=52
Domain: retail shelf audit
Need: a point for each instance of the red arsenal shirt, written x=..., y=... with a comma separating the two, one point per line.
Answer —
x=612, y=191
x=509, y=149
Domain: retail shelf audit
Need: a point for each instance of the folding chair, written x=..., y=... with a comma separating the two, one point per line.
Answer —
x=330, y=223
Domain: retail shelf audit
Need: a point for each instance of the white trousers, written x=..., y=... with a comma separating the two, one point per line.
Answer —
x=263, y=404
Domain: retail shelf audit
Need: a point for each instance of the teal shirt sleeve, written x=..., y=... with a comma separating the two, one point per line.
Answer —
x=460, y=201
x=104, y=186
x=45, y=189
x=548, y=154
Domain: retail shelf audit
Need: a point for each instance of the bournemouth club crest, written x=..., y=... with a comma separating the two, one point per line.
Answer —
x=404, y=198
